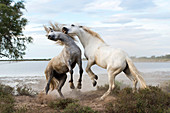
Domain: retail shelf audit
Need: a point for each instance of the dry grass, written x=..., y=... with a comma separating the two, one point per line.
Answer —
x=152, y=100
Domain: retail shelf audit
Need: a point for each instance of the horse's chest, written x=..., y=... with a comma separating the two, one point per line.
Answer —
x=89, y=53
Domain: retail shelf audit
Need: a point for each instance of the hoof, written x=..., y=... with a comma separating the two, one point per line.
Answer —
x=46, y=90
x=72, y=86
x=94, y=83
x=101, y=99
x=79, y=86
x=96, y=77
x=61, y=96
x=134, y=91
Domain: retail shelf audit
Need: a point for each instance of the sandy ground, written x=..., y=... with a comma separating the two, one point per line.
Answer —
x=88, y=96
x=38, y=104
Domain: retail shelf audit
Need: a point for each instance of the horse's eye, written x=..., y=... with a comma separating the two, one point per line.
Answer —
x=80, y=26
x=72, y=25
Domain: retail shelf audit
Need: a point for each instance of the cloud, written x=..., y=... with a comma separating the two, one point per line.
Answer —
x=118, y=19
x=140, y=27
x=54, y=6
x=135, y=39
x=112, y=5
x=137, y=4
x=162, y=5
x=129, y=32
x=155, y=15
x=41, y=12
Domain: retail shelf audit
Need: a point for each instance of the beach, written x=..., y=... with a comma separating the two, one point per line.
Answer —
x=31, y=75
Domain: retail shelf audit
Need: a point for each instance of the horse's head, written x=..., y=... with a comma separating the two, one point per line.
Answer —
x=51, y=34
x=72, y=30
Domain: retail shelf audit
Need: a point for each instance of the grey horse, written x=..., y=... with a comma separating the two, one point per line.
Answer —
x=63, y=63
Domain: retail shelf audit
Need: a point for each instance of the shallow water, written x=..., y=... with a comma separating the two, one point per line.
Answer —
x=36, y=68
x=32, y=73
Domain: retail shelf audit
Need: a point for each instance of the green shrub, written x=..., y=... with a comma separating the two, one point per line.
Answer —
x=6, y=99
x=69, y=105
x=76, y=108
x=21, y=110
x=165, y=86
x=6, y=90
x=116, y=89
x=61, y=103
x=151, y=100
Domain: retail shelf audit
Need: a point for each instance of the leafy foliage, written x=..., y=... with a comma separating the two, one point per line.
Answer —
x=69, y=105
x=118, y=86
x=61, y=103
x=6, y=99
x=151, y=100
x=12, y=40
x=76, y=108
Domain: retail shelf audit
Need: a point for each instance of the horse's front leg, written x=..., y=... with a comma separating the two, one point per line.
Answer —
x=71, y=74
x=80, y=72
x=90, y=73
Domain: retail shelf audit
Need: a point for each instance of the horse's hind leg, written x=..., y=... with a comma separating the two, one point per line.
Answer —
x=48, y=83
x=71, y=73
x=132, y=78
x=111, y=74
x=80, y=72
x=61, y=83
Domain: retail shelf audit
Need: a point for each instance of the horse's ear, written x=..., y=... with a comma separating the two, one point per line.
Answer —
x=54, y=28
x=51, y=29
x=46, y=29
x=57, y=27
x=65, y=30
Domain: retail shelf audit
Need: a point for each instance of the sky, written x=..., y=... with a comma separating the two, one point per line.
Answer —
x=139, y=27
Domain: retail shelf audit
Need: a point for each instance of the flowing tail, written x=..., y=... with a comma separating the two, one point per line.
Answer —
x=135, y=72
x=53, y=83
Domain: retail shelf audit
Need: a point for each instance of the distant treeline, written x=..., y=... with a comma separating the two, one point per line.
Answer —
x=134, y=58
x=27, y=59
x=152, y=58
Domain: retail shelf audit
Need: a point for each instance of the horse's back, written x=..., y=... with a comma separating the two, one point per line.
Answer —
x=107, y=55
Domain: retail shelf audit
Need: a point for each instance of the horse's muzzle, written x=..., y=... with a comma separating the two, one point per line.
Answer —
x=51, y=37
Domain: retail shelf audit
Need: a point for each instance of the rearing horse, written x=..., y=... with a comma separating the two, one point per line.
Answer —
x=98, y=52
x=63, y=63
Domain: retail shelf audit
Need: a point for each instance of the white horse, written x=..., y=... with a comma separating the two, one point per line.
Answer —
x=98, y=52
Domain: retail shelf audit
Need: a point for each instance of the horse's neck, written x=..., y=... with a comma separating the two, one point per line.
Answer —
x=89, y=40
x=68, y=42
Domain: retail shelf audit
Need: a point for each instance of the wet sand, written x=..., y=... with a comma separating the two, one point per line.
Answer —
x=38, y=83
